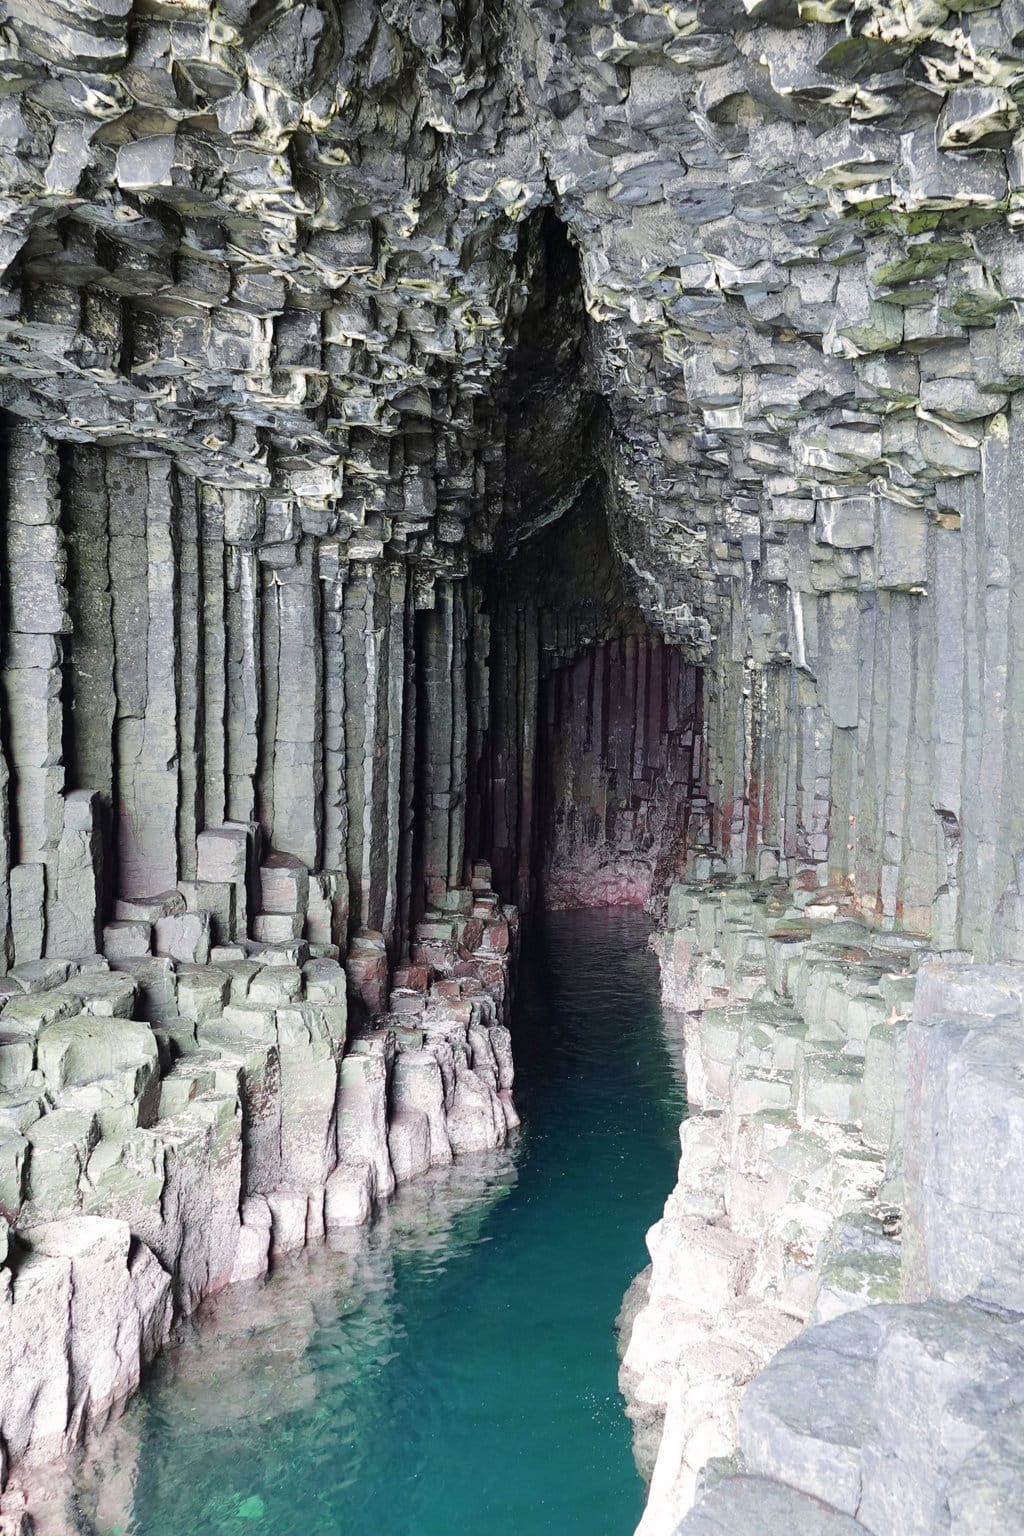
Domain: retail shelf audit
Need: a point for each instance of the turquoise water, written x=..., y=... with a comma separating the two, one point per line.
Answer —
x=454, y=1369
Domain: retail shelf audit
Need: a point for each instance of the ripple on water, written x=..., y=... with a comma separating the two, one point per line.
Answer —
x=453, y=1369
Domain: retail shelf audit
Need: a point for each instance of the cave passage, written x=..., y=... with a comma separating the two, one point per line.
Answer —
x=276, y=806
x=478, y=478
x=453, y=1369
x=587, y=788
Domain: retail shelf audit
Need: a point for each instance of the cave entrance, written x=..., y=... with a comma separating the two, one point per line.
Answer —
x=587, y=763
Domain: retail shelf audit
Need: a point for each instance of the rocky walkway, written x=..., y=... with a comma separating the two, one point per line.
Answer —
x=215, y=1091
x=830, y=1336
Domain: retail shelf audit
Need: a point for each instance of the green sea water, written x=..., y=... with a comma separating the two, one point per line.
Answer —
x=453, y=1370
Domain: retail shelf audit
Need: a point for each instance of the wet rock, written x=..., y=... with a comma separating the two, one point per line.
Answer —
x=86, y=1309
x=962, y=1236
x=373, y=493
x=864, y=1412
x=350, y=1195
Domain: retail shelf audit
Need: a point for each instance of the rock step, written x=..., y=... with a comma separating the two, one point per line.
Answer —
x=228, y=1124
x=822, y=1101
x=754, y=1506
x=906, y=1416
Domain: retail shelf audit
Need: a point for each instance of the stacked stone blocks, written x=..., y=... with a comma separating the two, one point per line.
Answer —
x=834, y=1302
x=192, y=1106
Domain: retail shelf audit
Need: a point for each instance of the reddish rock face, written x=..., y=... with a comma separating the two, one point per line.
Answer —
x=412, y=978
x=619, y=772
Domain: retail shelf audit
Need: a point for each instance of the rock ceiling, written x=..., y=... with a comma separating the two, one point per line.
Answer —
x=279, y=242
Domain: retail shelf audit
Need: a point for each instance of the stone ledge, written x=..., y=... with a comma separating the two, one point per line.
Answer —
x=789, y=1211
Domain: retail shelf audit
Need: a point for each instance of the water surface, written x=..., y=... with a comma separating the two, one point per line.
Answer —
x=453, y=1370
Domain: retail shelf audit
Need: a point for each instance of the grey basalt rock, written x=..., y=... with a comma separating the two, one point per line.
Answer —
x=897, y=1418
x=326, y=352
x=749, y=1503
x=963, y=1231
x=879, y=1411
x=83, y=1314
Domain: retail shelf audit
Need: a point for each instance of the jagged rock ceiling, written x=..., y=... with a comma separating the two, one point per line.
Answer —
x=280, y=242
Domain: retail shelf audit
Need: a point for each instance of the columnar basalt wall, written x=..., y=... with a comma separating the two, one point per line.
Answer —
x=277, y=255
x=885, y=763
x=252, y=979
x=371, y=375
x=622, y=739
x=830, y=1334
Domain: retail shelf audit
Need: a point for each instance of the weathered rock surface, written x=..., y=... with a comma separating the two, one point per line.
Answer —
x=148, y=1164
x=851, y=1141
x=399, y=403
x=249, y=1359
x=287, y=350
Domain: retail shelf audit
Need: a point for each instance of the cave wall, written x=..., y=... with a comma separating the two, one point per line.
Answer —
x=885, y=756
x=267, y=340
x=172, y=666
x=621, y=773
x=372, y=377
x=166, y=673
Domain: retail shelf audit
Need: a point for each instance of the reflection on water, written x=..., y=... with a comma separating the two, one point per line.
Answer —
x=269, y=1372
x=453, y=1368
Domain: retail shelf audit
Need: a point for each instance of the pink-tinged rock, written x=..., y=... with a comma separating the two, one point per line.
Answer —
x=495, y=938
x=367, y=968
x=348, y=1198
x=494, y=978
x=412, y=978
x=288, y=1212
x=252, y=1256
x=472, y=935
x=437, y=957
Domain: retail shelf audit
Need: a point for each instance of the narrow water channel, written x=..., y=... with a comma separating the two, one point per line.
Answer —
x=454, y=1369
